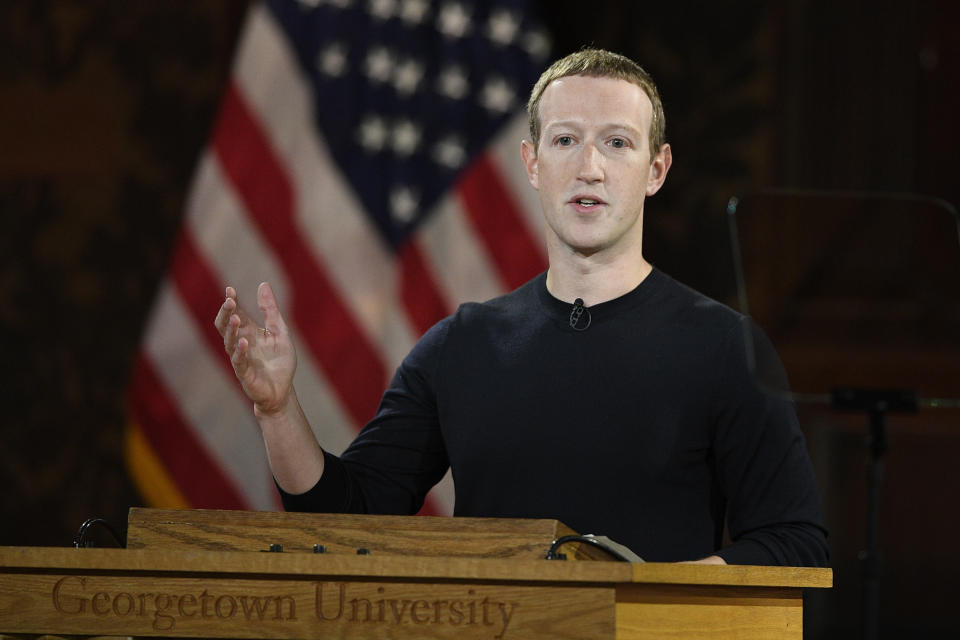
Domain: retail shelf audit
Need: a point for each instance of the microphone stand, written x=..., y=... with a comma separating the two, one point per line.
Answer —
x=876, y=403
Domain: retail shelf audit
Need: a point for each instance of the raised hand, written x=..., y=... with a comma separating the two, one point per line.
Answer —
x=263, y=357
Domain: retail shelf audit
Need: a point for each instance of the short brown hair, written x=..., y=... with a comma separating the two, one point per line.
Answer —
x=599, y=63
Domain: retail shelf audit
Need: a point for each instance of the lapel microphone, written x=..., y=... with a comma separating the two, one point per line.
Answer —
x=577, y=313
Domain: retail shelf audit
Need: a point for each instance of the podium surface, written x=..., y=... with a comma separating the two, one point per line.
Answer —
x=194, y=591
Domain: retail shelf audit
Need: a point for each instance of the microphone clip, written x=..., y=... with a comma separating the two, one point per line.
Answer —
x=577, y=313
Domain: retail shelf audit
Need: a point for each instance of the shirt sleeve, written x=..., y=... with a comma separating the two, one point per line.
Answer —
x=398, y=456
x=773, y=505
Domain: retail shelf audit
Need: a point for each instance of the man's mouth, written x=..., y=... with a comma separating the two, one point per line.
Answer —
x=587, y=202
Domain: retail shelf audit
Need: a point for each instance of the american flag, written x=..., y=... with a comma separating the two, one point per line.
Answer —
x=365, y=161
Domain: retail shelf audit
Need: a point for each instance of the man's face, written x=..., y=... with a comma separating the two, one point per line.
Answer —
x=593, y=165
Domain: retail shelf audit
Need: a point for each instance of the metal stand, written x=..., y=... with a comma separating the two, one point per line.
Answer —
x=870, y=556
x=876, y=404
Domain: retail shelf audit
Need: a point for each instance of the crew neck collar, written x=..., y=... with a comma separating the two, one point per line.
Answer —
x=559, y=311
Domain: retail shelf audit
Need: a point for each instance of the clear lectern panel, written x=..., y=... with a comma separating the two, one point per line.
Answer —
x=854, y=290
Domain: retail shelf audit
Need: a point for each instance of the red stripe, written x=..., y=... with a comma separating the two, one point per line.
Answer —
x=421, y=297
x=430, y=509
x=500, y=223
x=350, y=362
x=195, y=472
x=199, y=288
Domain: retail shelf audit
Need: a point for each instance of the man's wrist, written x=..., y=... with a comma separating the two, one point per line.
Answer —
x=282, y=412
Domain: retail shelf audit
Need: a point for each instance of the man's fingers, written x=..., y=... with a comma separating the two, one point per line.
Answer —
x=223, y=315
x=231, y=336
x=238, y=357
x=267, y=301
x=230, y=306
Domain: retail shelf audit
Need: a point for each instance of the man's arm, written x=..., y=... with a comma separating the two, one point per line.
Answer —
x=773, y=504
x=398, y=456
x=264, y=360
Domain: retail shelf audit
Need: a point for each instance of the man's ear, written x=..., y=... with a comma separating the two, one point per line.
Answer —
x=658, y=169
x=529, y=155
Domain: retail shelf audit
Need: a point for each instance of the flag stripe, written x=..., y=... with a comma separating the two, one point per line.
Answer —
x=331, y=219
x=224, y=235
x=197, y=286
x=150, y=475
x=505, y=153
x=209, y=400
x=456, y=256
x=350, y=363
x=422, y=299
x=342, y=351
x=499, y=223
x=196, y=472
x=235, y=250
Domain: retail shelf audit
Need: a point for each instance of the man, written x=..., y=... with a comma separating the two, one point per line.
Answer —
x=601, y=393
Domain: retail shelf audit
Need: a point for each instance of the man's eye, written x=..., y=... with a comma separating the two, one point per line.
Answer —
x=564, y=141
x=618, y=143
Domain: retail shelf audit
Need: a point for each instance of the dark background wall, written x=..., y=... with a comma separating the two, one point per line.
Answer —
x=104, y=107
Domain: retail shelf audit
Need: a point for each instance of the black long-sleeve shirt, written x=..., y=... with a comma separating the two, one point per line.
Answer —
x=646, y=427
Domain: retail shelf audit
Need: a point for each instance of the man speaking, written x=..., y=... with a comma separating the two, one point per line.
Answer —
x=601, y=393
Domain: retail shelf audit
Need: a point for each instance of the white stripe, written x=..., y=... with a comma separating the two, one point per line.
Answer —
x=458, y=261
x=212, y=403
x=506, y=152
x=238, y=255
x=332, y=219
x=363, y=269
x=443, y=495
x=215, y=217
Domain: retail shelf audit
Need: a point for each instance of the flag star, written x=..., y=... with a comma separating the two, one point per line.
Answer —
x=373, y=133
x=497, y=95
x=382, y=9
x=407, y=76
x=332, y=60
x=502, y=27
x=413, y=12
x=450, y=153
x=403, y=204
x=406, y=138
x=453, y=83
x=537, y=45
x=453, y=21
x=379, y=65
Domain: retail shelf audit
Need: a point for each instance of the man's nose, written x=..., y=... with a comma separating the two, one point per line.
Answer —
x=591, y=164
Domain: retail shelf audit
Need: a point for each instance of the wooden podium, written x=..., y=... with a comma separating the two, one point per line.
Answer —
x=210, y=574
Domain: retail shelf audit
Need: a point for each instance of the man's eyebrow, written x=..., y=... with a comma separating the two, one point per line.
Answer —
x=612, y=126
x=621, y=126
x=563, y=124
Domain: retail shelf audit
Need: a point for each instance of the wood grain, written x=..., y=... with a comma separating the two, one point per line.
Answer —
x=712, y=612
x=308, y=608
x=166, y=562
x=730, y=575
x=345, y=533
x=187, y=577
